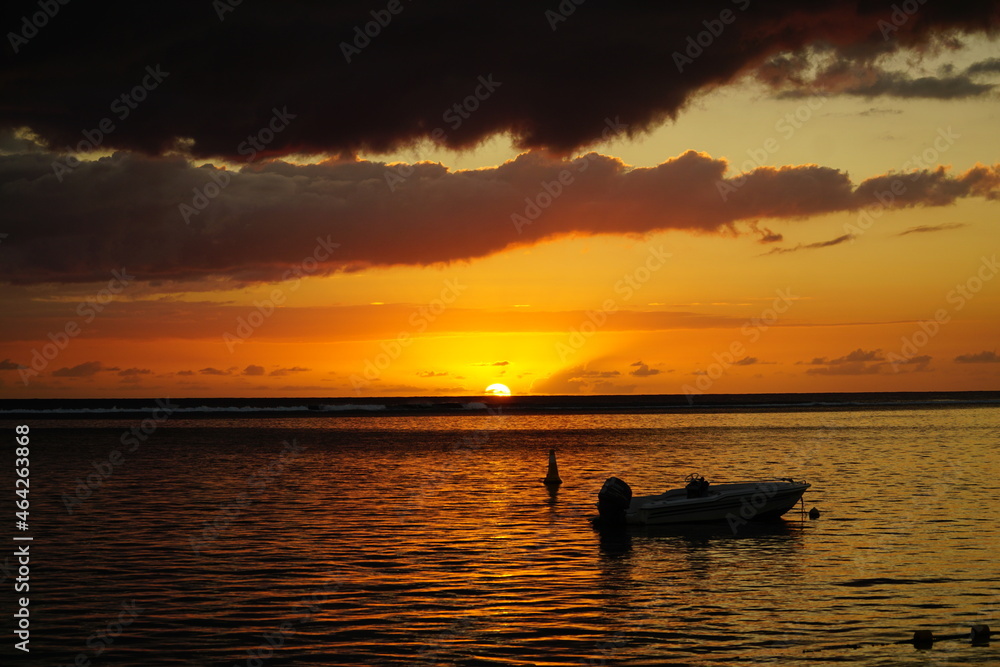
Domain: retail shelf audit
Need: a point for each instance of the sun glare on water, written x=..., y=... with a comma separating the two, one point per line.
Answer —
x=498, y=390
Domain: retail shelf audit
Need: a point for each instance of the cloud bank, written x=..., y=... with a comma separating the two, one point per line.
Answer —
x=162, y=218
x=560, y=69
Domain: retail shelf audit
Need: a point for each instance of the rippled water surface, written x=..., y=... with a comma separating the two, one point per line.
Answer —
x=430, y=541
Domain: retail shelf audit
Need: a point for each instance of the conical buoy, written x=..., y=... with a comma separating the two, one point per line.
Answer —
x=552, y=476
x=923, y=639
x=814, y=513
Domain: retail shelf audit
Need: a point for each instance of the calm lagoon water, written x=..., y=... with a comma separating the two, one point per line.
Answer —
x=428, y=540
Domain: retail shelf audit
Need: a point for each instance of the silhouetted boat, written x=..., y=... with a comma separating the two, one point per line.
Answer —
x=700, y=502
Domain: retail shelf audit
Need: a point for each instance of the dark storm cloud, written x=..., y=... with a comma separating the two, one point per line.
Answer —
x=221, y=77
x=276, y=220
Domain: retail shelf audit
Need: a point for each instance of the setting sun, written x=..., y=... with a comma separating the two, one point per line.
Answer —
x=498, y=390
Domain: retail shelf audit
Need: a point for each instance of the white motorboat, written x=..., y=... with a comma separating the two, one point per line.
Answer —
x=700, y=502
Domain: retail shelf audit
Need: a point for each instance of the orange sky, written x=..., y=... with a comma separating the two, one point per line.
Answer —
x=793, y=294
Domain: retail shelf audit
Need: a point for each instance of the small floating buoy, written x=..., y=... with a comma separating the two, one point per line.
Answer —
x=980, y=634
x=814, y=513
x=552, y=476
x=923, y=639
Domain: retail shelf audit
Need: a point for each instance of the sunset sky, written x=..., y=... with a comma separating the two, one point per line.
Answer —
x=246, y=200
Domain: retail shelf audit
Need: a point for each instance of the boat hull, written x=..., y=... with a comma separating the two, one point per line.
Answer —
x=736, y=503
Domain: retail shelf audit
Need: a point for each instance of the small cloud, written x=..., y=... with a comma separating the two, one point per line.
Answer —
x=858, y=362
x=984, y=357
x=932, y=228
x=860, y=355
x=919, y=363
x=253, y=369
x=8, y=365
x=873, y=111
x=580, y=380
x=643, y=370
x=185, y=372
x=431, y=374
x=599, y=374
x=213, y=371
x=745, y=361
x=495, y=363
x=766, y=235
x=612, y=388
x=84, y=370
x=279, y=372
x=855, y=356
x=132, y=372
x=988, y=66
x=845, y=369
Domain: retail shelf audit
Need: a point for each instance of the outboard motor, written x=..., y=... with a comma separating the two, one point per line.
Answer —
x=697, y=486
x=613, y=500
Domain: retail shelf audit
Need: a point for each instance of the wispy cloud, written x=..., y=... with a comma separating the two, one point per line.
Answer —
x=765, y=234
x=932, y=228
x=812, y=246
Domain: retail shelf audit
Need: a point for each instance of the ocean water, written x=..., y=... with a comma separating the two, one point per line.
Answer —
x=429, y=540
